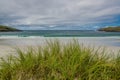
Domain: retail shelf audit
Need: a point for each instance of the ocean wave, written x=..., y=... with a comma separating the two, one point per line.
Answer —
x=5, y=36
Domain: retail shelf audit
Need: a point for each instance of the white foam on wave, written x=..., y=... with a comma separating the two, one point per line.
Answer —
x=10, y=37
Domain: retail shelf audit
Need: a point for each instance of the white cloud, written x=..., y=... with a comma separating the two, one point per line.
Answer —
x=31, y=12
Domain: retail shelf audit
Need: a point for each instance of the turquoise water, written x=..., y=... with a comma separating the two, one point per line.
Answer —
x=60, y=33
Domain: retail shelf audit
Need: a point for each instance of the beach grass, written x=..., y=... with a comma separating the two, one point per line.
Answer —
x=57, y=61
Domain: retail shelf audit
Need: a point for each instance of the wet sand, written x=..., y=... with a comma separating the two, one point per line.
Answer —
x=8, y=44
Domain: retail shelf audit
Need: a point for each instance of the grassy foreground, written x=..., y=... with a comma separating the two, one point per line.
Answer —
x=54, y=61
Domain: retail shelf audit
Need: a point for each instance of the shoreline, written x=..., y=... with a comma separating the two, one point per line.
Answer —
x=12, y=36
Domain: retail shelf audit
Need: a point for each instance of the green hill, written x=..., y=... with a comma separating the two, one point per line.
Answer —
x=7, y=29
x=110, y=29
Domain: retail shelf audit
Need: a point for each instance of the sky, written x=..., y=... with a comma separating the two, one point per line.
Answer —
x=59, y=14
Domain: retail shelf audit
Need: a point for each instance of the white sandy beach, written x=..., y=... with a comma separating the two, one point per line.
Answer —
x=8, y=44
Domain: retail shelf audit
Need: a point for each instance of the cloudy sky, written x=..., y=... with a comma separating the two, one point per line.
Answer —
x=59, y=14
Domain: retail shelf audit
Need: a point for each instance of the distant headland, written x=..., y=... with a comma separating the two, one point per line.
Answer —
x=110, y=29
x=7, y=29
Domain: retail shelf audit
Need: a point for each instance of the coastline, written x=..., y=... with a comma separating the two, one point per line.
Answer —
x=8, y=44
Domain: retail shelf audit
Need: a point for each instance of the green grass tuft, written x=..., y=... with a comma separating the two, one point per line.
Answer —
x=56, y=61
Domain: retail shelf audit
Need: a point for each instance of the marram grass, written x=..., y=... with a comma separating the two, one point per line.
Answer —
x=57, y=61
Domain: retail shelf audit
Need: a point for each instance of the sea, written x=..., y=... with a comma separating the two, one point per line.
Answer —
x=60, y=33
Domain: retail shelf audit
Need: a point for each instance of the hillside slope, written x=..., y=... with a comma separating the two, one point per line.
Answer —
x=110, y=29
x=7, y=29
